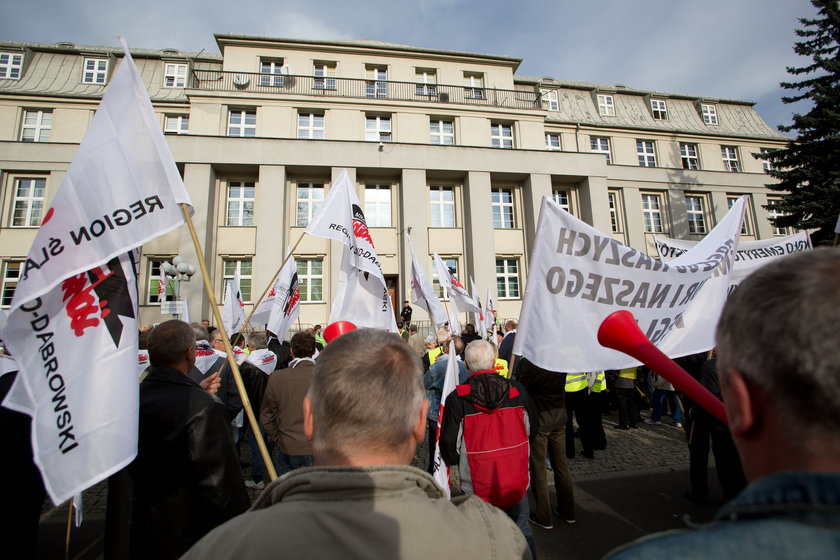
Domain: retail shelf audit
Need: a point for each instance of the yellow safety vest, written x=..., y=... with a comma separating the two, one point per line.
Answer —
x=575, y=382
x=501, y=367
x=628, y=373
x=600, y=382
x=434, y=353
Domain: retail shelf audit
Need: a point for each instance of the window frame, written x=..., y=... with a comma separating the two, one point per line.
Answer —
x=182, y=122
x=563, y=197
x=614, y=203
x=606, y=104
x=441, y=205
x=311, y=203
x=245, y=280
x=474, y=85
x=498, y=139
x=689, y=161
x=593, y=140
x=746, y=226
x=32, y=206
x=40, y=132
x=651, y=215
x=310, y=130
x=245, y=205
x=773, y=212
x=9, y=283
x=376, y=81
x=271, y=72
x=659, y=109
x=174, y=71
x=504, y=210
x=306, y=276
x=426, y=82
x=324, y=72
x=12, y=68
x=244, y=126
x=505, y=276
x=731, y=159
x=646, y=152
x=376, y=209
x=440, y=290
x=708, y=112
x=695, y=210
x=98, y=75
x=765, y=163
x=152, y=297
x=383, y=133
x=549, y=145
x=441, y=133
x=549, y=100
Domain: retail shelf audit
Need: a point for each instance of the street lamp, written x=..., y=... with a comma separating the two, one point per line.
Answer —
x=179, y=271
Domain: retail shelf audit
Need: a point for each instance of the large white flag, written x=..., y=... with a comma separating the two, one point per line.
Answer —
x=262, y=313
x=422, y=291
x=751, y=255
x=479, y=317
x=362, y=295
x=233, y=311
x=451, y=310
x=456, y=290
x=578, y=276
x=449, y=383
x=286, y=305
x=72, y=322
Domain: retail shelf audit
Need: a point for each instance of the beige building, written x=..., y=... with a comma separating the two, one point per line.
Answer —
x=452, y=149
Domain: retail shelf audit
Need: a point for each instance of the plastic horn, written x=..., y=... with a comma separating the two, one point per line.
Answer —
x=619, y=331
x=334, y=330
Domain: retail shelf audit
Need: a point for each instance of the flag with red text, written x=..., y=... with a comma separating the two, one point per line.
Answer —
x=286, y=304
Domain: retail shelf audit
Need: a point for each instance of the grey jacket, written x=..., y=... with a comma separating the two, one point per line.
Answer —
x=390, y=511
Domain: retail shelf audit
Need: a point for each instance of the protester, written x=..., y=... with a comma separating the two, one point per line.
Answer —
x=255, y=371
x=415, y=341
x=211, y=360
x=320, y=343
x=361, y=500
x=506, y=345
x=406, y=313
x=281, y=413
x=186, y=477
x=433, y=381
x=469, y=334
x=778, y=351
x=624, y=386
x=577, y=395
x=663, y=391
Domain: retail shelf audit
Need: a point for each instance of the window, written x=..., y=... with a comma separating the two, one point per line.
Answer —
x=426, y=80
x=243, y=267
x=561, y=197
x=709, y=113
x=377, y=129
x=376, y=85
x=324, y=73
x=176, y=124
x=272, y=73
x=766, y=163
x=659, y=109
x=11, y=65
x=309, y=199
x=240, y=203
x=615, y=211
x=646, y=153
x=696, y=215
x=152, y=296
x=730, y=158
x=552, y=141
x=473, y=85
x=688, y=153
x=606, y=107
x=502, y=204
x=36, y=126
x=600, y=145
x=11, y=274
x=452, y=264
x=507, y=278
x=442, y=131
x=501, y=135
x=548, y=99
x=28, y=204
x=378, y=205
x=745, y=225
x=96, y=71
x=652, y=212
x=310, y=125
x=773, y=212
x=242, y=122
x=174, y=75
x=442, y=206
x=310, y=280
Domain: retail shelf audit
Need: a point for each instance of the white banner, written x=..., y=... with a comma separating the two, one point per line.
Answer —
x=422, y=291
x=449, y=383
x=286, y=304
x=751, y=255
x=479, y=317
x=578, y=276
x=489, y=315
x=361, y=298
x=262, y=313
x=233, y=310
x=458, y=294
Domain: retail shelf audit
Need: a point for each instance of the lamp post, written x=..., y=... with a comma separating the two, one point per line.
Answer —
x=179, y=271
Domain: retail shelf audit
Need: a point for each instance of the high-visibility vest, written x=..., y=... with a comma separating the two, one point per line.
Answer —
x=434, y=353
x=628, y=373
x=501, y=367
x=600, y=382
x=575, y=382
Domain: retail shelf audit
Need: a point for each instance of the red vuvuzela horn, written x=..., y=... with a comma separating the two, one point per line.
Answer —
x=619, y=331
x=334, y=330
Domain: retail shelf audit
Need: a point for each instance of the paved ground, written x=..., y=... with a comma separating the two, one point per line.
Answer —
x=633, y=488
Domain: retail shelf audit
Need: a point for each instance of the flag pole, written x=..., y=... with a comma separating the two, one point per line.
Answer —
x=271, y=283
x=246, y=403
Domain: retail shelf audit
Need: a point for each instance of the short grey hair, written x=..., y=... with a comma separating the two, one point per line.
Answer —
x=200, y=331
x=779, y=329
x=511, y=324
x=169, y=341
x=258, y=340
x=367, y=399
x=480, y=355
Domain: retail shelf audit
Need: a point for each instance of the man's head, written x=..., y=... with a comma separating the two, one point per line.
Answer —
x=200, y=332
x=442, y=336
x=257, y=341
x=216, y=340
x=480, y=356
x=365, y=408
x=316, y=329
x=457, y=341
x=412, y=329
x=779, y=362
x=405, y=303
x=205, y=323
x=400, y=325
x=302, y=345
x=469, y=328
x=510, y=325
x=172, y=345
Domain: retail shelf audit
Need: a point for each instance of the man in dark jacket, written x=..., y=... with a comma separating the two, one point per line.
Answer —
x=186, y=476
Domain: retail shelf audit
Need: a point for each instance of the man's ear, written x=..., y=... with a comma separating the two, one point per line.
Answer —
x=189, y=357
x=741, y=406
x=308, y=424
x=420, y=426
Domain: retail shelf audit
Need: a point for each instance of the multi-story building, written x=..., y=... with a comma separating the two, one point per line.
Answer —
x=451, y=149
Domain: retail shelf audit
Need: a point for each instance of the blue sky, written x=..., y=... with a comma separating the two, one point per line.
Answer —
x=735, y=49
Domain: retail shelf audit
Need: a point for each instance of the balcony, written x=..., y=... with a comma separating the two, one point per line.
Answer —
x=349, y=88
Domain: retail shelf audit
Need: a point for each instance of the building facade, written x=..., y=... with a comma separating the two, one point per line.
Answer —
x=453, y=150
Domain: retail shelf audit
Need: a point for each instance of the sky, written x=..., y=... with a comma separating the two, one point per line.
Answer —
x=730, y=49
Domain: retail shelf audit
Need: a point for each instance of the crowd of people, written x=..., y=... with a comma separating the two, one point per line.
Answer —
x=342, y=421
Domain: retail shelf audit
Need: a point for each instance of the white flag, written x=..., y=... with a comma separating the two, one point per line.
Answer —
x=73, y=317
x=452, y=308
x=449, y=383
x=233, y=311
x=161, y=289
x=341, y=218
x=578, y=276
x=489, y=315
x=458, y=294
x=286, y=305
x=422, y=291
x=185, y=311
x=479, y=317
x=262, y=313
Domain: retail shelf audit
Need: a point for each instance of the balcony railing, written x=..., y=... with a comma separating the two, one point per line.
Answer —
x=318, y=86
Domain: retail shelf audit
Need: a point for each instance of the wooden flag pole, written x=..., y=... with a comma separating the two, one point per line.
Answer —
x=271, y=283
x=69, y=524
x=246, y=403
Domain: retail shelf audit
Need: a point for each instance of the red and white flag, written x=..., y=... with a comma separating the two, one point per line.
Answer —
x=489, y=315
x=422, y=291
x=233, y=311
x=72, y=322
x=362, y=295
x=457, y=292
x=286, y=304
x=449, y=383
x=161, y=289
